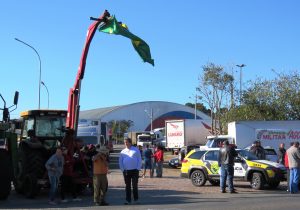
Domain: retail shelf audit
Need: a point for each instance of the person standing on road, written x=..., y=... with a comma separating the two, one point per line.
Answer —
x=293, y=154
x=147, y=153
x=153, y=149
x=100, y=170
x=159, y=160
x=281, y=154
x=226, y=162
x=258, y=150
x=286, y=164
x=66, y=180
x=130, y=163
x=54, y=167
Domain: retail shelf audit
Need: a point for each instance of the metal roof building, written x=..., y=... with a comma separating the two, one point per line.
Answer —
x=141, y=114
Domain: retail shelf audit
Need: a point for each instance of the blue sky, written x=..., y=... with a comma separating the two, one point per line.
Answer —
x=183, y=36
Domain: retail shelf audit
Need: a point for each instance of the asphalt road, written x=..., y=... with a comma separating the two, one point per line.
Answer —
x=168, y=193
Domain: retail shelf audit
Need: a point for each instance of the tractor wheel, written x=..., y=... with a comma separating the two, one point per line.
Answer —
x=198, y=178
x=5, y=175
x=30, y=186
x=31, y=163
x=257, y=181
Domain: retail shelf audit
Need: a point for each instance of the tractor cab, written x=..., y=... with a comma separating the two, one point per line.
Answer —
x=44, y=125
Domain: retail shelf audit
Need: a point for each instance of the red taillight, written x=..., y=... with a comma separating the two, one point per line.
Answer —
x=185, y=161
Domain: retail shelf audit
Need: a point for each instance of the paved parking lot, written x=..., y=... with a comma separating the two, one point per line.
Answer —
x=169, y=192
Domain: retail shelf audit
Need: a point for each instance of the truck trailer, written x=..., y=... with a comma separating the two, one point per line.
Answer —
x=269, y=133
x=186, y=132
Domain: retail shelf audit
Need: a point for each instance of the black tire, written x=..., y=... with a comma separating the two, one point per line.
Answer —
x=5, y=175
x=257, y=181
x=198, y=178
x=30, y=185
x=31, y=163
x=274, y=184
x=214, y=182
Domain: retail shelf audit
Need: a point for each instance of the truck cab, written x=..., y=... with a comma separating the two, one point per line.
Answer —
x=144, y=139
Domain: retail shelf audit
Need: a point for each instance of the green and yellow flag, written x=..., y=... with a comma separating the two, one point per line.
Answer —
x=114, y=27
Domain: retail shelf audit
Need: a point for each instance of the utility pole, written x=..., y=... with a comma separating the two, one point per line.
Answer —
x=150, y=115
x=241, y=83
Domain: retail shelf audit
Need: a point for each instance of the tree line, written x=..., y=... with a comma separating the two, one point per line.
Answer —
x=262, y=99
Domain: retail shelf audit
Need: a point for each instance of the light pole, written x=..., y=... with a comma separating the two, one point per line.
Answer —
x=195, y=107
x=150, y=115
x=40, y=76
x=241, y=69
x=47, y=91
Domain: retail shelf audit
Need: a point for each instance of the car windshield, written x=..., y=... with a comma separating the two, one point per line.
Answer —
x=247, y=155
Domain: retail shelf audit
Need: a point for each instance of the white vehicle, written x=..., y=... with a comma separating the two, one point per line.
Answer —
x=92, y=132
x=186, y=132
x=216, y=141
x=144, y=139
x=269, y=133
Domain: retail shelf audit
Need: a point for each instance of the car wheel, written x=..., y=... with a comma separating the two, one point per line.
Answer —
x=274, y=184
x=198, y=178
x=257, y=181
x=214, y=182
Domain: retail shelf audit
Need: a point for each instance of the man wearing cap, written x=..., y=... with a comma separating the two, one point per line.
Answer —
x=226, y=162
x=130, y=163
x=100, y=169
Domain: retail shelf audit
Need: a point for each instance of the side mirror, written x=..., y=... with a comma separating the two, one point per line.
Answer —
x=16, y=98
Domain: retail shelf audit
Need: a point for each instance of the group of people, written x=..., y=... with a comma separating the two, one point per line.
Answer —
x=60, y=167
x=290, y=158
x=60, y=170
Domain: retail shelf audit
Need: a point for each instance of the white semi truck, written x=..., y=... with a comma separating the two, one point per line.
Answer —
x=269, y=133
x=186, y=132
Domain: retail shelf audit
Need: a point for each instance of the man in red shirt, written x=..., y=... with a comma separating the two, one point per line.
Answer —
x=159, y=160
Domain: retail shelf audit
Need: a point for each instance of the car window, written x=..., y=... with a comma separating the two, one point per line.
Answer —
x=247, y=155
x=197, y=155
x=212, y=155
x=270, y=152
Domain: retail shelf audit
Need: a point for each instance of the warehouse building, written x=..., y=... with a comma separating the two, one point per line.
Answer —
x=143, y=114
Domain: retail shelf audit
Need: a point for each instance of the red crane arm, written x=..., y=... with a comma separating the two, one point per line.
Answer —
x=74, y=94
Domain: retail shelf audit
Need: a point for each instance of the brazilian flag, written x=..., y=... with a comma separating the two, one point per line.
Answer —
x=112, y=26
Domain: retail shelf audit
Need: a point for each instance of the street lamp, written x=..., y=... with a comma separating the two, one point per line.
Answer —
x=241, y=68
x=47, y=91
x=40, y=66
x=195, y=106
x=150, y=115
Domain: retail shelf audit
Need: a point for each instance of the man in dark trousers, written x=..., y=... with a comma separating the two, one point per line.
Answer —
x=226, y=161
x=293, y=154
x=130, y=163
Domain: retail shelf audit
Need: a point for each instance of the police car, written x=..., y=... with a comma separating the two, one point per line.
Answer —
x=201, y=166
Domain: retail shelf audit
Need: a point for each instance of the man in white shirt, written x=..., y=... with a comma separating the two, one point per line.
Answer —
x=130, y=163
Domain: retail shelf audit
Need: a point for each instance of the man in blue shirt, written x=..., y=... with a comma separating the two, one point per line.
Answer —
x=147, y=153
x=130, y=163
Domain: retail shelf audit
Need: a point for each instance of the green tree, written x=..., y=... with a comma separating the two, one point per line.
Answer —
x=119, y=127
x=275, y=99
x=215, y=89
x=200, y=107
